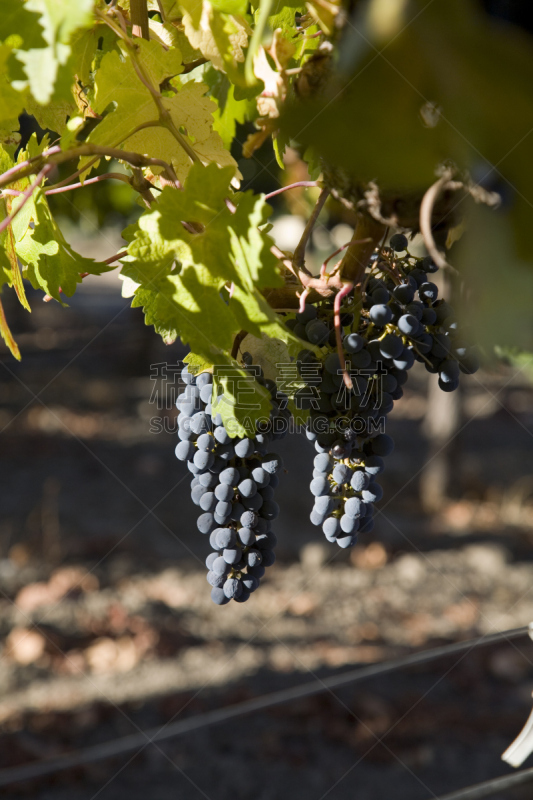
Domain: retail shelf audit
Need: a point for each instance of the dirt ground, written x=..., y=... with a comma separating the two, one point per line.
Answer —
x=107, y=627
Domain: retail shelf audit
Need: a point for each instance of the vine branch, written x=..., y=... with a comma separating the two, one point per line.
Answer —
x=298, y=259
x=139, y=19
x=55, y=156
x=115, y=176
x=297, y=184
x=367, y=236
x=426, y=212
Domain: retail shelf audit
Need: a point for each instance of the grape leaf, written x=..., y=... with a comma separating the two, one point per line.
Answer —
x=49, y=261
x=230, y=111
x=175, y=304
x=161, y=234
x=235, y=391
x=487, y=257
x=9, y=267
x=284, y=17
x=172, y=34
x=52, y=116
x=240, y=400
x=6, y=334
x=227, y=248
x=117, y=82
x=11, y=101
x=409, y=77
x=219, y=37
x=21, y=25
x=274, y=358
x=59, y=20
x=197, y=364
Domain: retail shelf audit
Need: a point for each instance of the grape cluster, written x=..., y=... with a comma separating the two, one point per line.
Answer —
x=400, y=321
x=233, y=484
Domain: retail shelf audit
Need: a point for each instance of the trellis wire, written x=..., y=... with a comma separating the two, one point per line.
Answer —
x=127, y=744
x=489, y=788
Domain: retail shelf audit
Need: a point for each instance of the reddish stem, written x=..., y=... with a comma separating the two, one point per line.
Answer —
x=304, y=184
x=22, y=164
x=116, y=176
x=328, y=259
x=339, y=297
x=302, y=299
x=25, y=197
x=112, y=259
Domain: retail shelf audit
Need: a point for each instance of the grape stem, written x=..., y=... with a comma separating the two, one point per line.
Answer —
x=296, y=185
x=56, y=156
x=328, y=259
x=339, y=297
x=303, y=297
x=116, y=176
x=237, y=343
x=426, y=212
x=110, y=260
x=298, y=259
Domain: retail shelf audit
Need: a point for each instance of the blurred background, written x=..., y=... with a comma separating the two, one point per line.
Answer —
x=106, y=623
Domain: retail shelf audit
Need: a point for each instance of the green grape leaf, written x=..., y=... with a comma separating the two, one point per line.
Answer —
x=403, y=74
x=220, y=37
x=160, y=233
x=9, y=267
x=175, y=304
x=257, y=266
x=7, y=336
x=486, y=256
x=238, y=398
x=280, y=142
x=84, y=51
x=230, y=111
x=117, y=83
x=284, y=17
x=181, y=278
x=314, y=165
x=197, y=364
x=49, y=261
x=59, y=21
x=172, y=34
x=11, y=101
x=226, y=248
x=21, y=25
x=238, y=7
x=52, y=116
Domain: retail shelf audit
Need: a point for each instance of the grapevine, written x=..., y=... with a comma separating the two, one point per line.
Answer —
x=153, y=95
x=365, y=346
x=406, y=124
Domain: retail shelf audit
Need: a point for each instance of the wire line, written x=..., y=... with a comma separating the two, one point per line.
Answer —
x=489, y=788
x=127, y=744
